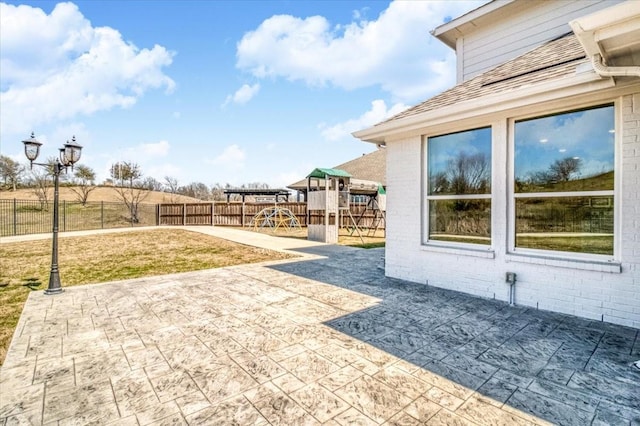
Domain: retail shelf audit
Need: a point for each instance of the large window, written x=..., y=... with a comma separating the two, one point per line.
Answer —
x=459, y=187
x=564, y=182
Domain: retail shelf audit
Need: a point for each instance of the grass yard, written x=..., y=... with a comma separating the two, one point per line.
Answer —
x=92, y=259
x=345, y=237
x=598, y=244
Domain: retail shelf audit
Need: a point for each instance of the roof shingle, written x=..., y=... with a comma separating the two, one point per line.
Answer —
x=555, y=59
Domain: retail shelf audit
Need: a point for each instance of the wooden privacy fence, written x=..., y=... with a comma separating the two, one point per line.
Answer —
x=185, y=214
x=241, y=214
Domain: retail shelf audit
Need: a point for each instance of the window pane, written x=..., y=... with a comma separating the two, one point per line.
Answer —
x=460, y=163
x=467, y=221
x=565, y=152
x=574, y=224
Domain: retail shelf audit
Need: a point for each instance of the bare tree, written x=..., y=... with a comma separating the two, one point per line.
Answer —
x=469, y=174
x=129, y=187
x=196, y=190
x=152, y=184
x=40, y=182
x=84, y=180
x=217, y=192
x=465, y=174
x=563, y=170
x=10, y=171
x=171, y=186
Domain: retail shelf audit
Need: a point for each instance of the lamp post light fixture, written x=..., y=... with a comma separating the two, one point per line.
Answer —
x=69, y=155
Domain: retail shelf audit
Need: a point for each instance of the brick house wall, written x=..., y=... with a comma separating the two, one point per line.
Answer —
x=588, y=289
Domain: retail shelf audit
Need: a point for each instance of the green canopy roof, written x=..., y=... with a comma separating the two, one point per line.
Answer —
x=323, y=173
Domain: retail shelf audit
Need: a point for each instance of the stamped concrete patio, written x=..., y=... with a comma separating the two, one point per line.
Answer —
x=324, y=339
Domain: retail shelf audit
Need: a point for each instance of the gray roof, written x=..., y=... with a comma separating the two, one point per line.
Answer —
x=372, y=166
x=555, y=59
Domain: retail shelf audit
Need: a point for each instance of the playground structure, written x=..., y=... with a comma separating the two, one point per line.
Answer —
x=274, y=217
x=377, y=203
x=328, y=197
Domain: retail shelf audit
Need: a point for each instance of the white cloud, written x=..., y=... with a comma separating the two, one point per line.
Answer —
x=159, y=171
x=231, y=158
x=378, y=112
x=243, y=94
x=287, y=177
x=57, y=66
x=394, y=52
x=141, y=153
x=159, y=149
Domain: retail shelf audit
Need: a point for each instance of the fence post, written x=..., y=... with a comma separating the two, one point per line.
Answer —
x=64, y=215
x=212, y=212
x=15, y=217
x=184, y=214
x=157, y=214
x=101, y=214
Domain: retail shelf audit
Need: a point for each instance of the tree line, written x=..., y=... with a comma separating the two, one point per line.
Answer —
x=125, y=177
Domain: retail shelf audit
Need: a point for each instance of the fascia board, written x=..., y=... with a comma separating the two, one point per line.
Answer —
x=611, y=16
x=449, y=32
x=565, y=87
x=608, y=23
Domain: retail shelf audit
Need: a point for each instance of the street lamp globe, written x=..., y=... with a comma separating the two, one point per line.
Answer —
x=70, y=154
x=31, y=148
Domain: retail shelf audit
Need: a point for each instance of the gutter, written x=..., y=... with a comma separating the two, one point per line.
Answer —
x=549, y=91
x=598, y=65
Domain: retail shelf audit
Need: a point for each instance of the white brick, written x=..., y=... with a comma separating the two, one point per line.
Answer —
x=558, y=286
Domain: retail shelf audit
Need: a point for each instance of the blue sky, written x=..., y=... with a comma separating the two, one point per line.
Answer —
x=587, y=135
x=216, y=91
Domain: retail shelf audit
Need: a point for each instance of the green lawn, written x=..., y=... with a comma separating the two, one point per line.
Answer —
x=25, y=266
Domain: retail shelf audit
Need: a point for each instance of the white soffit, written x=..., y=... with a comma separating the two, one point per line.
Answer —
x=614, y=33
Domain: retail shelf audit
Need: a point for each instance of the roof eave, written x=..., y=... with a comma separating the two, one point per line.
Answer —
x=554, y=89
x=617, y=26
x=449, y=32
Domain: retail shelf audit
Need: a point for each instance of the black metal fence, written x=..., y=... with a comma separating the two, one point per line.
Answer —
x=21, y=217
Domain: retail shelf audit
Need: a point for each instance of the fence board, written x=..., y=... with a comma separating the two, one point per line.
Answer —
x=185, y=214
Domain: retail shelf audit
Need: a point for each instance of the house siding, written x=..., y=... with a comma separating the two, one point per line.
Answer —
x=550, y=284
x=537, y=22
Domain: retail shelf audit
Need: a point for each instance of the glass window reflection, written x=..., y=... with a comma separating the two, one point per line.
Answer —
x=566, y=152
x=573, y=224
x=459, y=187
x=564, y=182
x=467, y=221
x=460, y=163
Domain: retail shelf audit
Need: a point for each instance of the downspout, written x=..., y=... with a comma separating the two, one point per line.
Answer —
x=605, y=71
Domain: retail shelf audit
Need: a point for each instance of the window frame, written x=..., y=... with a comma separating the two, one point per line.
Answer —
x=426, y=197
x=513, y=196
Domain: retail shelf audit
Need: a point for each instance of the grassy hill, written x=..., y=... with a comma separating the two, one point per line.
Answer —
x=603, y=181
x=101, y=193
